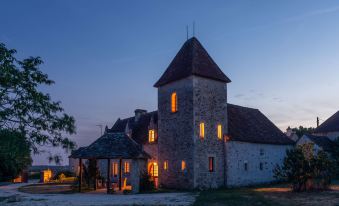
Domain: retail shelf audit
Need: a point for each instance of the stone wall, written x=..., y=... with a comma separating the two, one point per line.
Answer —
x=175, y=140
x=210, y=107
x=239, y=153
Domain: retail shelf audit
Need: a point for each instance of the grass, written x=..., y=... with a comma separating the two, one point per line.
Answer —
x=47, y=189
x=273, y=195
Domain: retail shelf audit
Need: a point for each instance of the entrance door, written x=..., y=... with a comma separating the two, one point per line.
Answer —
x=153, y=172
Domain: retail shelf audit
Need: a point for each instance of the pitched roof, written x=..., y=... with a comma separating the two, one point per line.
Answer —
x=112, y=145
x=322, y=141
x=139, y=128
x=192, y=59
x=330, y=125
x=250, y=125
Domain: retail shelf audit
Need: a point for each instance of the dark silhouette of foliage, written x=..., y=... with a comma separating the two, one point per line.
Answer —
x=14, y=154
x=25, y=108
x=146, y=182
x=306, y=169
x=300, y=131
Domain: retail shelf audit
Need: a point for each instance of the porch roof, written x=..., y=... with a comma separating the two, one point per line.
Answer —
x=111, y=146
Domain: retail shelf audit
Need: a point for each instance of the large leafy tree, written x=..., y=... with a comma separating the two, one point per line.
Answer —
x=14, y=154
x=25, y=108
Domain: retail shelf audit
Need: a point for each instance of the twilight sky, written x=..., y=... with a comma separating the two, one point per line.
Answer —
x=105, y=56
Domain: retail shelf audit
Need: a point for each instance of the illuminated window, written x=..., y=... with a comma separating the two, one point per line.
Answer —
x=211, y=164
x=151, y=137
x=166, y=165
x=183, y=165
x=115, y=169
x=219, y=131
x=127, y=169
x=174, y=102
x=153, y=169
x=202, y=130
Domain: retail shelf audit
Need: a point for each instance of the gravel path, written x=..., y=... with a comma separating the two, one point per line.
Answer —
x=10, y=196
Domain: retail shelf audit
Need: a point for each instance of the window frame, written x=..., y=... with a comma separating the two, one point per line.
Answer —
x=115, y=169
x=219, y=131
x=166, y=165
x=183, y=165
x=127, y=168
x=202, y=130
x=151, y=135
x=174, y=102
x=211, y=164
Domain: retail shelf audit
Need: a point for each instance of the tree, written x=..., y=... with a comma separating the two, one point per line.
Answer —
x=14, y=154
x=306, y=169
x=300, y=131
x=26, y=109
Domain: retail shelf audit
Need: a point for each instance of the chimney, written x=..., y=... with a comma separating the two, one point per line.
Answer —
x=138, y=113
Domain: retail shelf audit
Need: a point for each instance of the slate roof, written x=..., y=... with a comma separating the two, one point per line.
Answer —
x=139, y=128
x=330, y=125
x=250, y=125
x=324, y=142
x=113, y=146
x=192, y=59
x=245, y=124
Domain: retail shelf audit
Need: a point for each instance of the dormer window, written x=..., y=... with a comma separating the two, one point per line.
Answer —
x=202, y=130
x=174, y=102
x=151, y=135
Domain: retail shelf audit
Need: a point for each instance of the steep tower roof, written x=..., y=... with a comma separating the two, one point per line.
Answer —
x=192, y=59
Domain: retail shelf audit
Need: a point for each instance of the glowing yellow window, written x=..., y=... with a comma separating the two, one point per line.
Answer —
x=174, y=102
x=219, y=131
x=127, y=168
x=153, y=169
x=166, y=165
x=183, y=165
x=151, y=136
x=115, y=169
x=202, y=130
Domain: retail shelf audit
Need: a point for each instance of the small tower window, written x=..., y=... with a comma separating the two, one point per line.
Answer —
x=211, y=164
x=166, y=165
x=245, y=166
x=202, y=129
x=127, y=169
x=174, y=102
x=219, y=131
x=183, y=165
x=261, y=166
x=151, y=136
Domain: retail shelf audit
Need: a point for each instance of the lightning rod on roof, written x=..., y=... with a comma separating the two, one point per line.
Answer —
x=193, y=28
x=186, y=32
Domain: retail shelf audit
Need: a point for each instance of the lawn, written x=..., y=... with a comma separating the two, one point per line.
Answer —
x=277, y=195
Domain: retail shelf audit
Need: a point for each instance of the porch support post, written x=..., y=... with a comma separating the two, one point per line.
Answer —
x=120, y=175
x=108, y=176
x=95, y=178
x=80, y=173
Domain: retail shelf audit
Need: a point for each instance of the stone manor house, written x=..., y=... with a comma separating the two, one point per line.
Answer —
x=195, y=139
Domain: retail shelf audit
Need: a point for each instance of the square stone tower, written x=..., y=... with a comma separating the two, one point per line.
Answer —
x=192, y=109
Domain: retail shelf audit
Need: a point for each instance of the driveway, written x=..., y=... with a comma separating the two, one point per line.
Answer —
x=10, y=196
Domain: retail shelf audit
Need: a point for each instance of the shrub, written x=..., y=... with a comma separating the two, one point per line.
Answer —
x=146, y=183
x=305, y=169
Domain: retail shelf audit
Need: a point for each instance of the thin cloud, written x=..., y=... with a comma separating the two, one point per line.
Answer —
x=313, y=13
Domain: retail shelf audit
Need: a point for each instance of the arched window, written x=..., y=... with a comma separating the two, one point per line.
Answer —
x=174, y=102
x=202, y=129
x=183, y=165
x=219, y=131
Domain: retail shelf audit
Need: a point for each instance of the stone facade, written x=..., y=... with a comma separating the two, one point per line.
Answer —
x=261, y=159
x=176, y=139
x=209, y=107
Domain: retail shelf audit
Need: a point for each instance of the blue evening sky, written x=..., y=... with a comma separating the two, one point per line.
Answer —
x=105, y=56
